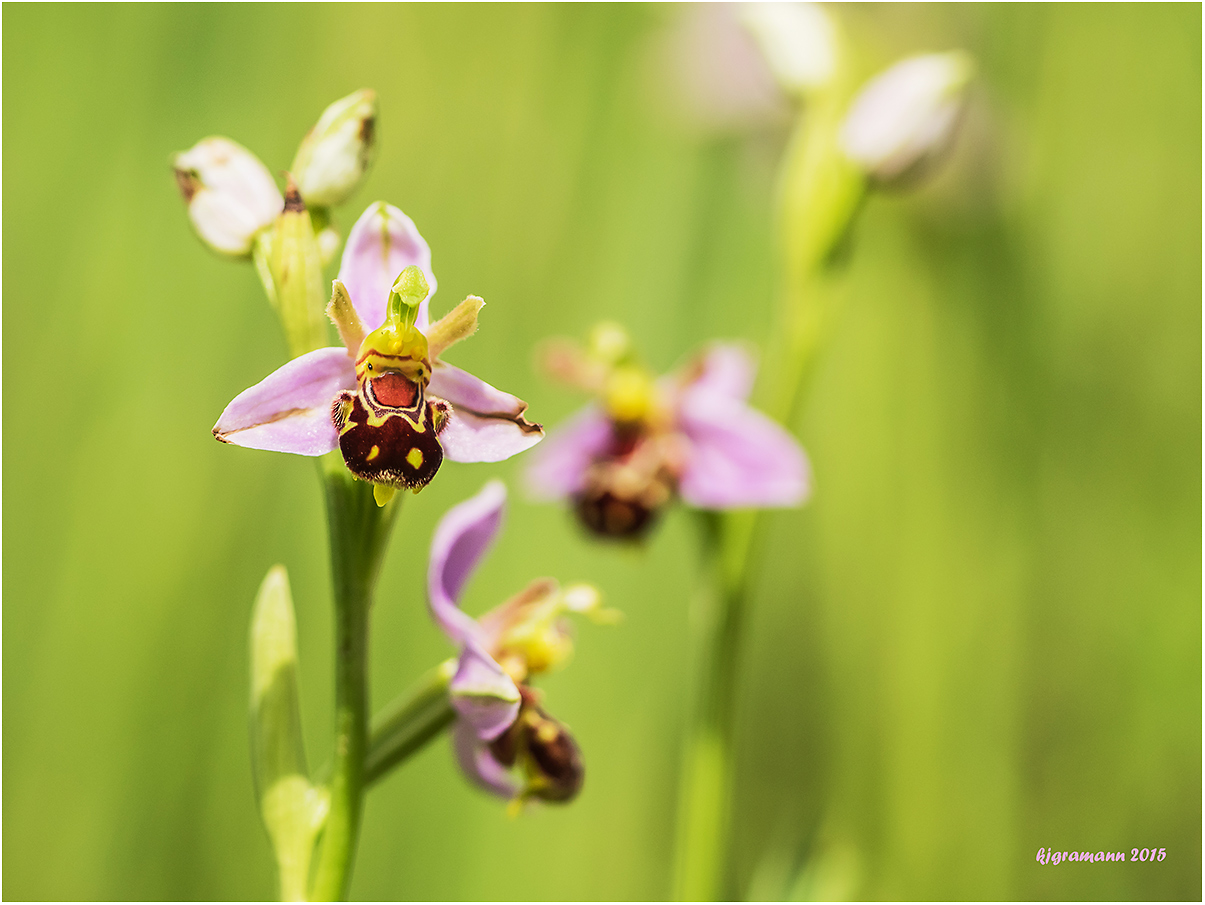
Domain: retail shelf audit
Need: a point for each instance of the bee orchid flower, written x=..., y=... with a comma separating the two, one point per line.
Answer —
x=384, y=397
x=501, y=728
x=646, y=441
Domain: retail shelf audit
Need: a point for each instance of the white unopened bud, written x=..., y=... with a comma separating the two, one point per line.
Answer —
x=335, y=154
x=907, y=115
x=230, y=194
x=798, y=41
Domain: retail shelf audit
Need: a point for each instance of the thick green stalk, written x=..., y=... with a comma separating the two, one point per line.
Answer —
x=820, y=193
x=412, y=720
x=705, y=791
x=359, y=530
x=727, y=562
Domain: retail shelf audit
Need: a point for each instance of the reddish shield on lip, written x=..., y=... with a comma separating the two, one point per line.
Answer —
x=394, y=390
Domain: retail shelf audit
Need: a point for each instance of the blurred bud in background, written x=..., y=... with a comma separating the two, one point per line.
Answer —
x=230, y=195
x=737, y=67
x=328, y=244
x=798, y=42
x=710, y=73
x=907, y=116
x=334, y=156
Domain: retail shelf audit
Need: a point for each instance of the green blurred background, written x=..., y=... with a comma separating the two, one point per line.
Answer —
x=981, y=637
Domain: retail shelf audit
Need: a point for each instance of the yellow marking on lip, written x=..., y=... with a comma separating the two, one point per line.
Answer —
x=414, y=457
x=377, y=420
x=373, y=453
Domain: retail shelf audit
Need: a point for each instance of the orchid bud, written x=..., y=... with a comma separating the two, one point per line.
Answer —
x=907, y=116
x=798, y=41
x=230, y=194
x=335, y=153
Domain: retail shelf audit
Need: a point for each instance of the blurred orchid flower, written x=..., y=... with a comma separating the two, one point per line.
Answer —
x=907, y=115
x=232, y=197
x=384, y=398
x=500, y=724
x=692, y=434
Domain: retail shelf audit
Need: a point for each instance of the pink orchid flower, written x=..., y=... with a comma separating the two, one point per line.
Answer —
x=691, y=434
x=384, y=397
x=501, y=728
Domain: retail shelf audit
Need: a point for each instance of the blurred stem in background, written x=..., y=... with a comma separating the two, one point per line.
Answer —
x=820, y=192
x=895, y=127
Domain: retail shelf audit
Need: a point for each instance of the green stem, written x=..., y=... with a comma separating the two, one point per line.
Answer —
x=717, y=624
x=820, y=193
x=359, y=530
x=412, y=720
x=819, y=196
x=727, y=554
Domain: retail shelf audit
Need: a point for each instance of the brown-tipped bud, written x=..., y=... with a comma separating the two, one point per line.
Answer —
x=336, y=153
x=229, y=193
x=293, y=202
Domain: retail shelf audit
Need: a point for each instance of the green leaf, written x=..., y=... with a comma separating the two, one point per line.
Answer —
x=293, y=810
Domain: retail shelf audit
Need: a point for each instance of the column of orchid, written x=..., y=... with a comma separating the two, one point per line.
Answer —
x=380, y=410
x=691, y=436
